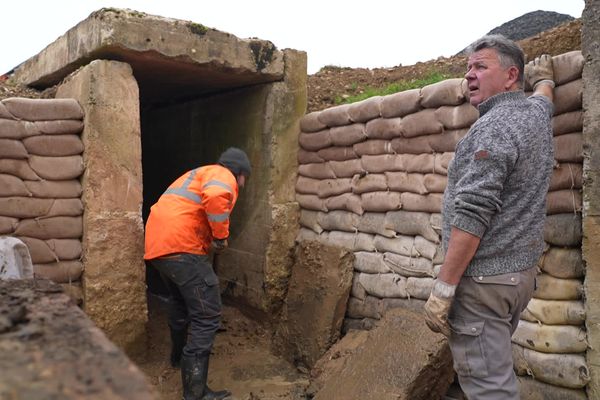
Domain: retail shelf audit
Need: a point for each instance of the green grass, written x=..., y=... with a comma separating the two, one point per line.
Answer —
x=396, y=87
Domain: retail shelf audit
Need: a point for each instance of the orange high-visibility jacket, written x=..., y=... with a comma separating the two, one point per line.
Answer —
x=191, y=212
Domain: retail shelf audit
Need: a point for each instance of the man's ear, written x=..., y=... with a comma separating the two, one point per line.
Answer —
x=513, y=78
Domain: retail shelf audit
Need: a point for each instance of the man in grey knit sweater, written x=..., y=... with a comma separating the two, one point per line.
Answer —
x=494, y=212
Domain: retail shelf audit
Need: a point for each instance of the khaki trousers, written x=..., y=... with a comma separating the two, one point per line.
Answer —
x=483, y=317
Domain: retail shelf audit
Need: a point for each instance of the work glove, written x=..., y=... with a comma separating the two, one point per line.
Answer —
x=438, y=307
x=219, y=245
x=539, y=71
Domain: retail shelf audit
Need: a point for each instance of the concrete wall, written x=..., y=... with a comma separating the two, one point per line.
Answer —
x=113, y=245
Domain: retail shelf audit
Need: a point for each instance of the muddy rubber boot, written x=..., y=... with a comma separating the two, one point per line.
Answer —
x=178, y=339
x=212, y=395
x=194, y=372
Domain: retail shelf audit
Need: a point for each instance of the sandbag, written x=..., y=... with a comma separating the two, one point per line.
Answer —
x=380, y=201
x=457, y=117
x=306, y=185
x=384, y=128
x=446, y=142
x=39, y=250
x=348, y=135
x=310, y=122
x=422, y=122
x=4, y=112
x=554, y=312
x=18, y=168
x=409, y=266
x=64, y=207
x=370, y=263
x=316, y=170
x=414, y=145
x=11, y=185
x=51, y=228
x=311, y=202
x=43, y=109
x=315, y=141
x=383, y=285
x=24, y=207
x=373, y=147
x=441, y=162
x=371, y=222
x=66, y=249
x=54, y=189
x=335, y=116
x=305, y=235
x=567, y=66
x=449, y=92
x=568, y=97
x=564, y=201
x=569, y=147
x=59, y=127
x=405, y=182
x=10, y=129
x=566, y=176
x=370, y=307
x=419, y=288
x=308, y=157
x=431, y=202
x=357, y=290
x=382, y=163
x=369, y=183
x=421, y=163
x=412, y=304
x=10, y=148
x=57, y=168
x=365, y=110
x=551, y=288
x=531, y=389
x=59, y=272
x=338, y=220
x=346, y=169
x=567, y=122
x=563, y=262
x=550, y=338
x=401, y=103
x=308, y=219
x=54, y=145
x=336, y=153
x=425, y=248
x=8, y=225
x=345, y=201
x=353, y=241
x=402, y=244
x=411, y=223
x=435, y=183
x=563, y=230
x=334, y=187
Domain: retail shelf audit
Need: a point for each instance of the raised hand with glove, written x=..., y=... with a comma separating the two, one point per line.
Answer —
x=438, y=306
x=219, y=245
x=539, y=75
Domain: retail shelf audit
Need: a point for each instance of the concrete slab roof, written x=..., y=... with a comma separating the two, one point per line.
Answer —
x=170, y=58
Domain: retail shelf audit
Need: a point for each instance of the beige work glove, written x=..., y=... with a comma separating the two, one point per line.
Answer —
x=438, y=307
x=539, y=71
x=219, y=245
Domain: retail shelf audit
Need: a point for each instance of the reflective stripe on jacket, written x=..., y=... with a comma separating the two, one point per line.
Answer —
x=191, y=212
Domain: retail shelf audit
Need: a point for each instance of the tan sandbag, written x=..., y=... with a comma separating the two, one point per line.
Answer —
x=383, y=163
x=441, y=162
x=348, y=135
x=334, y=187
x=64, y=207
x=381, y=201
x=401, y=103
x=569, y=147
x=567, y=176
x=311, y=202
x=369, y=183
x=315, y=141
x=305, y=234
x=346, y=169
x=310, y=122
x=431, y=202
x=11, y=185
x=57, y=168
x=66, y=249
x=308, y=157
x=436, y=221
x=568, y=97
x=335, y=116
x=373, y=147
x=316, y=170
x=353, y=241
x=370, y=307
x=435, y=183
x=338, y=220
x=51, y=228
x=566, y=370
x=567, y=66
x=563, y=230
x=43, y=109
x=409, y=266
x=308, y=219
x=4, y=112
x=384, y=128
x=564, y=201
x=449, y=92
x=530, y=389
x=419, y=288
x=345, y=201
x=306, y=185
x=401, y=244
x=10, y=129
x=39, y=250
x=54, y=145
x=384, y=285
x=8, y=225
x=554, y=312
x=24, y=207
x=414, y=145
x=421, y=123
x=370, y=263
x=550, y=338
x=411, y=223
x=365, y=110
x=551, y=288
x=357, y=289
x=18, y=168
x=59, y=272
x=446, y=141
x=371, y=222
x=54, y=189
x=412, y=304
x=336, y=153
x=457, y=117
x=567, y=123
x=59, y=127
x=425, y=248
x=405, y=182
x=10, y=148
x=563, y=262
x=421, y=163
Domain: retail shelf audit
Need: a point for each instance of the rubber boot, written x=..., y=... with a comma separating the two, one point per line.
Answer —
x=212, y=395
x=178, y=339
x=194, y=372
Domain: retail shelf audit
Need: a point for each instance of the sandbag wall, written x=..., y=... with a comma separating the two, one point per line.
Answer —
x=40, y=192
x=371, y=178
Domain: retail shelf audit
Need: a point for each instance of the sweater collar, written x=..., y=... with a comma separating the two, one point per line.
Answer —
x=513, y=97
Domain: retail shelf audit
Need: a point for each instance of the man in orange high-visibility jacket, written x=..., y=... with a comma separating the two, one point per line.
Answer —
x=190, y=218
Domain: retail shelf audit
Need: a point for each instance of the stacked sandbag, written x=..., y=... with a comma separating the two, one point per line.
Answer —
x=40, y=193
x=371, y=178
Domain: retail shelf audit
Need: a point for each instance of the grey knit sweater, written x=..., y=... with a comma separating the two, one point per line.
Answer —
x=498, y=180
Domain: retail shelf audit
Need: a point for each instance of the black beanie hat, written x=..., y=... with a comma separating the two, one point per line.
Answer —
x=236, y=161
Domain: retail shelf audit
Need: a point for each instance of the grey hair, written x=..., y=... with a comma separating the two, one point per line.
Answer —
x=509, y=53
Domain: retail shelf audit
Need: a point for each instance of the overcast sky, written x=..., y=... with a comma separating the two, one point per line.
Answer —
x=346, y=33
